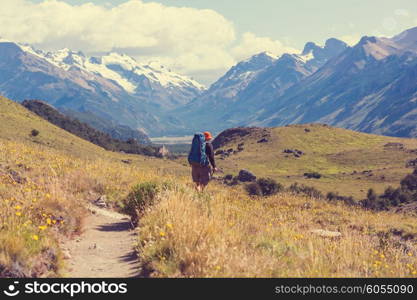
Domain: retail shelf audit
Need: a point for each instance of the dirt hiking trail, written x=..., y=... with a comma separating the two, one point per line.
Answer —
x=104, y=249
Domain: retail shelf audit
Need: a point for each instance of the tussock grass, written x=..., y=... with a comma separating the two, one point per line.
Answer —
x=43, y=193
x=227, y=234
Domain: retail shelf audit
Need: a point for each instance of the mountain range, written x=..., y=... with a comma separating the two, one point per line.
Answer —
x=113, y=88
x=369, y=87
x=245, y=90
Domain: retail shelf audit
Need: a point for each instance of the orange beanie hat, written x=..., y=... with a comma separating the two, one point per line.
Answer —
x=208, y=135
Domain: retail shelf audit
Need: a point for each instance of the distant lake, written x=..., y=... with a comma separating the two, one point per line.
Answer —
x=172, y=140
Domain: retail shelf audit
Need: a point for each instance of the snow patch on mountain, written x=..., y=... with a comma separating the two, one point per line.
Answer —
x=262, y=56
x=110, y=74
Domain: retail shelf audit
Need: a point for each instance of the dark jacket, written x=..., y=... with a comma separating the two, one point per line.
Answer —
x=210, y=154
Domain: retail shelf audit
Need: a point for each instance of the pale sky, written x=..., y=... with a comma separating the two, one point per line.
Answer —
x=199, y=38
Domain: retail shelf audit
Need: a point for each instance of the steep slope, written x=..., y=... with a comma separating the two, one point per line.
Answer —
x=407, y=39
x=370, y=87
x=17, y=123
x=350, y=162
x=238, y=78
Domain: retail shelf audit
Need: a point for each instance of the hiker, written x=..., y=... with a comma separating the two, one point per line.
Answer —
x=200, y=158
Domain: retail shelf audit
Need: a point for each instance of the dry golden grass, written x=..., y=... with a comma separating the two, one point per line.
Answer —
x=43, y=193
x=226, y=234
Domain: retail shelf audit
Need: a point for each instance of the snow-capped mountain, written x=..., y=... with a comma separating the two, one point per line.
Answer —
x=199, y=113
x=239, y=76
x=151, y=82
x=112, y=87
x=371, y=87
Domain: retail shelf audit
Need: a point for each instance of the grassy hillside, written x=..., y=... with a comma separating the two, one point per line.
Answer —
x=45, y=182
x=86, y=132
x=341, y=156
x=224, y=233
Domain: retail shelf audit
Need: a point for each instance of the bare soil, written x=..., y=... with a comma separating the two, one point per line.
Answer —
x=104, y=249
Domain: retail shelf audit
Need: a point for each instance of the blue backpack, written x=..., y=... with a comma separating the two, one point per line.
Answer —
x=198, y=151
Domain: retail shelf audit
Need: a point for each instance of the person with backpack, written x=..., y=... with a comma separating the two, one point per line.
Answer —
x=200, y=158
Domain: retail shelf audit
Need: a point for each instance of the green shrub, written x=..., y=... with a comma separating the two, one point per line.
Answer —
x=264, y=187
x=305, y=190
x=332, y=196
x=141, y=197
x=269, y=186
x=375, y=202
x=314, y=175
x=391, y=197
x=34, y=132
x=409, y=182
x=254, y=189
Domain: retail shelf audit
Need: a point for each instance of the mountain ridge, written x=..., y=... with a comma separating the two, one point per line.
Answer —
x=357, y=91
x=354, y=87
